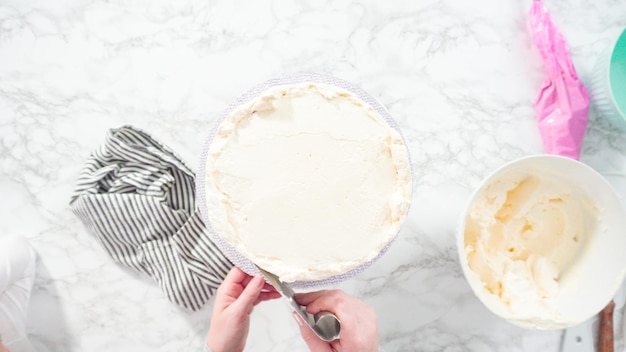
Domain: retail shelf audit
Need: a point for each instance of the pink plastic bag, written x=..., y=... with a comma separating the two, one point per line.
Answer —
x=563, y=102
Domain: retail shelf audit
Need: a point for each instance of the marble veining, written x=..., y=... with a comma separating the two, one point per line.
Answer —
x=460, y=77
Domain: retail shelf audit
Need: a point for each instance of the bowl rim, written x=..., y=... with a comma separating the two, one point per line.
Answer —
x=621, y=37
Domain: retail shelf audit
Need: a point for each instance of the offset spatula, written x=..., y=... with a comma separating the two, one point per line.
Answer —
x=606, y=342
x=324, y=324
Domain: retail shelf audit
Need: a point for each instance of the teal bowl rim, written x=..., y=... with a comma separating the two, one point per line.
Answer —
x=620, y=38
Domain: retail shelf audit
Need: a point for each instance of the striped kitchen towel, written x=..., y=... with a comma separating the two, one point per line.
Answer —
x=138, y=198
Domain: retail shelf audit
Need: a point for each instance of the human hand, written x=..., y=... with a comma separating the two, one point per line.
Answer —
x=234, y=301
x=359, y=330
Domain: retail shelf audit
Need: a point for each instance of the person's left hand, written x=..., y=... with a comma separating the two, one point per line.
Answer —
x=234, y=301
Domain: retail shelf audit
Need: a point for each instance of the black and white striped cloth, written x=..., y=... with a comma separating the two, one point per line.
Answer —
x=138, y=198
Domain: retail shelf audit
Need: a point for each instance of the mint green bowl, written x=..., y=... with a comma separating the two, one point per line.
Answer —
x=608, y=85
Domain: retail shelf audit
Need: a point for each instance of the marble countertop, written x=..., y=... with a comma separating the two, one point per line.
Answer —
x=460, y=77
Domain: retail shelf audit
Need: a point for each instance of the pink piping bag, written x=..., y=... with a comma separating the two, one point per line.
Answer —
x=563, y=102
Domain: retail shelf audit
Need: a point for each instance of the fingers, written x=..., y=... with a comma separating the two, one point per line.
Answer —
x=266, y=296
x=328, y=303
x=235, y=276
x=269, y=288
x=231, y=288
x=305, y=299
x=319, y=301
x=266, y=287
x=250, y=294
x=236, y=280
x=233, y=283
x=309, y=337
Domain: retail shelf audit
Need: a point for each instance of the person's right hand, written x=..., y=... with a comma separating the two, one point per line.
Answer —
x=359, y=331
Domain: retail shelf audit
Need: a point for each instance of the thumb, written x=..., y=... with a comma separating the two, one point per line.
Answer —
x=250, y=293
x=309, y=337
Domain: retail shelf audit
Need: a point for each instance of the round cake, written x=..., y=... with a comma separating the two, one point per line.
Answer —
x=307, y=181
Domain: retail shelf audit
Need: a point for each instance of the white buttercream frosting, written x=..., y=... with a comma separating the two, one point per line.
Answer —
x=522, y=232
x=307, y=181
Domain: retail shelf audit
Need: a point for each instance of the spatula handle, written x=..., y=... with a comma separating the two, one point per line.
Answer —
x=605, y=339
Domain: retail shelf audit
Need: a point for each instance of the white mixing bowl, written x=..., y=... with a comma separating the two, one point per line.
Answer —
x=598, y=269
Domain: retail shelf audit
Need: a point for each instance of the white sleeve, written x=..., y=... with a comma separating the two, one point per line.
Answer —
x=17, y=273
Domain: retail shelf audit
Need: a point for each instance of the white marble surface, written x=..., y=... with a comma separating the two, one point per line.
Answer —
x=460, y=77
